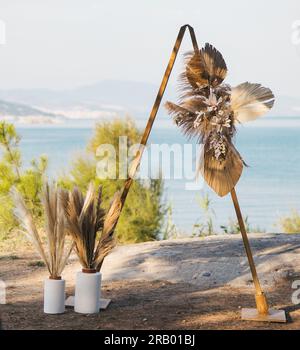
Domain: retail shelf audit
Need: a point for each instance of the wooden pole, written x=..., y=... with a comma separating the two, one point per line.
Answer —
x=261, y=301
x=137, y=159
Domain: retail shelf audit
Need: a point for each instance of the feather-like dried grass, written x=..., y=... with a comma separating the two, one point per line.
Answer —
x=57, y=251
x=85, y=220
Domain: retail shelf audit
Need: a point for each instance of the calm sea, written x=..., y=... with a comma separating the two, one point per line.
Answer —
x=268, y=189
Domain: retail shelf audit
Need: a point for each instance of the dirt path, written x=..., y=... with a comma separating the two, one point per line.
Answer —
x=166, y=298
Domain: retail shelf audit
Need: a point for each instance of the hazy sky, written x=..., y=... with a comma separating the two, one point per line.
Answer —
x=67, y=43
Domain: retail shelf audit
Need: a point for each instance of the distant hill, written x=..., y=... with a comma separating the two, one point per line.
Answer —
x=114, y=94
x=135, y=98
x=106, y=98
x=19, y=109
x=26, y=114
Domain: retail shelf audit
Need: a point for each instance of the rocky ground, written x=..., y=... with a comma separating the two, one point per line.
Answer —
x=198, y=283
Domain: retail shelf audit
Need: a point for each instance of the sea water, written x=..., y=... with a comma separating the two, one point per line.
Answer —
x=268, y=189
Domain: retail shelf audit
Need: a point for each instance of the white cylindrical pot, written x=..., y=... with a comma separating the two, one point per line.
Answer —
x=54, y=296
x=87, y=292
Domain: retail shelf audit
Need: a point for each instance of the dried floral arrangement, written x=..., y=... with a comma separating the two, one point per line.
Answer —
x=57, y=251
x=210, y=109
x=85, y=220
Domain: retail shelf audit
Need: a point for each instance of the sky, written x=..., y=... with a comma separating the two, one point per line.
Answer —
x=68, y=43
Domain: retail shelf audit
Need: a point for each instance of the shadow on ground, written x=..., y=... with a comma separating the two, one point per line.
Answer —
x=153, y=305
x=207, y=263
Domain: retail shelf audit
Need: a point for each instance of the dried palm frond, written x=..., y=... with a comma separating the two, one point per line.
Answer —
x=204, y=68
x=221, y=176
x=85, y=219
x=249, y=101
x=57, y=253
x=209, y=109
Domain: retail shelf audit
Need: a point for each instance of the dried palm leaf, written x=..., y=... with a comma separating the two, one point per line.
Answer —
x=57, y=253
x=213, y=65
x=203, y=69
x=221, y=176
x=249, y=101
x=209, y=109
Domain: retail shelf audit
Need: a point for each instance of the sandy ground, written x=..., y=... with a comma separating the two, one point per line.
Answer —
x=177, y=284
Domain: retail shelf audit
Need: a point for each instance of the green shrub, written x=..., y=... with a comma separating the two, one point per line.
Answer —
x=170, y=230
x=142, y=216
x=205, y=226
x=28, y=181
x=291, y=223
x=233, y=226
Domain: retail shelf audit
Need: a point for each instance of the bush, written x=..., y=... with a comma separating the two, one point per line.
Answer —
x=142, y=215
x=291, y=223
x=28, y=182
x=204, y=227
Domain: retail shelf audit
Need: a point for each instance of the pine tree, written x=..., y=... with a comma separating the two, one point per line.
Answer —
x=28, y=181
x=142, y=217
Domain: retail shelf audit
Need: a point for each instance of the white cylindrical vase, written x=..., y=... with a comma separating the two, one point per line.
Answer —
x=54, y=296
x=87, y=292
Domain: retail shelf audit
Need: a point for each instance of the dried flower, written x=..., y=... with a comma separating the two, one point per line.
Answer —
x=221, y=122
x=212, y=102
x=218, y=144
x=199, y=118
